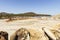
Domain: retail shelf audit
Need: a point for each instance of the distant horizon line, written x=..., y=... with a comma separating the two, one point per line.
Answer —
x=26, y=12
x=21, y=12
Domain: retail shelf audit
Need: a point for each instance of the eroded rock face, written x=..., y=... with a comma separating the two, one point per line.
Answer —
x=2, y=38
x=37, y=35
x=28, y=34
x=3, y=35
x=49, y=34
x=56, y=31
x=21, y=34
x=57, y=34
x=52, y=33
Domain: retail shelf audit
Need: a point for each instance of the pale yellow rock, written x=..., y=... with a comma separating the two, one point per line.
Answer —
x=56, y=31
x=37, y=35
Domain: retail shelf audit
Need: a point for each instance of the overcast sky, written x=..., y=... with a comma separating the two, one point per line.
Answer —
x=38, y=6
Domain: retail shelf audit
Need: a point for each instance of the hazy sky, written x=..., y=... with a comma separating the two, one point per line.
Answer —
x=37, y=6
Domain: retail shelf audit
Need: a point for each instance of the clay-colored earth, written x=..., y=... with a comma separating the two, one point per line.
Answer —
x=33, y=25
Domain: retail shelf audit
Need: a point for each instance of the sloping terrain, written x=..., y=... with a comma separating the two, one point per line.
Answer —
x=32, y=24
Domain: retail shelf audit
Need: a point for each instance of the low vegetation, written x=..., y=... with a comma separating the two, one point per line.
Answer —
x=4, y=15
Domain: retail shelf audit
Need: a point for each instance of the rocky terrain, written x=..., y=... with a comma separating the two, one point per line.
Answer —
x=35, y=25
